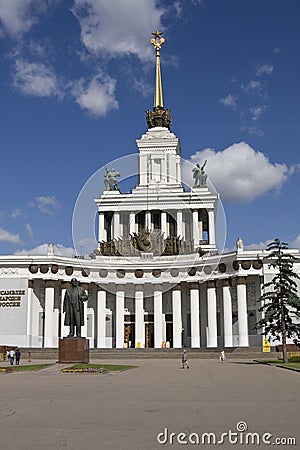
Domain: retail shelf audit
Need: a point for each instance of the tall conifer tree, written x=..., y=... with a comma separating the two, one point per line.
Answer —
x=280, y=301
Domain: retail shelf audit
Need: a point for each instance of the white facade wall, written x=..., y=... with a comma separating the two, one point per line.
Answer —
x=193, y=321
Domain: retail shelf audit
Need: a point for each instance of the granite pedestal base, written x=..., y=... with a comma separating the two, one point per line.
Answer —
x=73, y=350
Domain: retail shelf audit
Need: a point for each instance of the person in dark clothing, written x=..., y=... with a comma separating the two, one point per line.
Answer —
x=18, y=356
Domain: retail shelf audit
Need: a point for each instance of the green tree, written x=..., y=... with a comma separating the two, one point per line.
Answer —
x=280, y=301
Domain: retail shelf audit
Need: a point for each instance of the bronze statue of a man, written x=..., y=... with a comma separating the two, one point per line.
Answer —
x=73, y=307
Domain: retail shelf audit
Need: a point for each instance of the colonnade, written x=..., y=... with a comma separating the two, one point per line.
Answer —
x=202, y=310
x=198, y=224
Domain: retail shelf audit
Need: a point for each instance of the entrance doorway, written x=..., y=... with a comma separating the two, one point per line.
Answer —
x=149, y=335
x=169, y=333
x=129, y=335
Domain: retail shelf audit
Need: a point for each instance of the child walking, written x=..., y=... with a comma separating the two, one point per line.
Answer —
x=222, y=356
x=184, y=360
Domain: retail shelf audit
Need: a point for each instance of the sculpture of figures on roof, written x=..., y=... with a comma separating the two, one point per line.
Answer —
x=50, y=250
x=167, y=118
x=240, y=244
x=110, y=180
x=199, y=175
x=150, y=119
x=159, y=117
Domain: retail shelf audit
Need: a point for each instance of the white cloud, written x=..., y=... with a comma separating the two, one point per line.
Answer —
x=294, y=168
x=96, y=96
x=59, y=250
x=118, y=28
x=145, y=89
x=264, y=245
x=38, y=49
x=18, y=16
x=259, y=246
x=251, y=86
x=265, y=69
x=35, y=79
x=178, y=8
x=257, y=111
x=6, y=236
x=254, y=130
x=16, y=213
x=28, y=228
x=229, y=101
x=240, y=173
x=47, y=205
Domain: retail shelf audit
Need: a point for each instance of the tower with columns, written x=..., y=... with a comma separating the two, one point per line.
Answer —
x=188, y=216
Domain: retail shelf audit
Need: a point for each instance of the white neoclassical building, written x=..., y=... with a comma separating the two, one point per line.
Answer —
x=157, y=276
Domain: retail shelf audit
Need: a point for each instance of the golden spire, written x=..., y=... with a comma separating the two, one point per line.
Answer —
x=157, y=41
x=159, y=117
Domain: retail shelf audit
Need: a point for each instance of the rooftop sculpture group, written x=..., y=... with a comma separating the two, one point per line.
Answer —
x=110, y=180
x=199, y=175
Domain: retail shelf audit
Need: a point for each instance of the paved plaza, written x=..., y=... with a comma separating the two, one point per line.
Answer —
x=127, y=410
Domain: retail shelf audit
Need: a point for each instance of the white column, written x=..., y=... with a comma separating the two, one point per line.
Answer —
x=120, y=300
x=261, y=285
x=164, y=171
x=50, y=332
x=116, y=225
x=200, y=229
x=101, y=318
x=163, y=220
x=242, y=312
x=132, y=228
x=178, y=170
x=195, y=318
x=102, y=231
x=148, y=220
x=64, y=329
x=177, y=318
x=158, y=316
x=29, y=314
x=227, y=311
x=212, y=335
x=172, y=165
x=211, y=228
x=139, y=317
x=143, y=170
x=180, y=228
x=195, y=228
x=85, y=306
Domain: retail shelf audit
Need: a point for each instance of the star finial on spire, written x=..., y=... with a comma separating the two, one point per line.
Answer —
x=157, y=34
x=157, y=41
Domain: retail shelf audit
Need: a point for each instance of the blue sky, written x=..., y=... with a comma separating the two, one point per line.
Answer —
x=77, y=76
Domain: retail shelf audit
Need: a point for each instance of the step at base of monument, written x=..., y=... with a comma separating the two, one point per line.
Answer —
x=157, y=353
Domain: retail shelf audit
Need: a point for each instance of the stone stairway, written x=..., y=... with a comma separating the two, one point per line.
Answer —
x=159, y=353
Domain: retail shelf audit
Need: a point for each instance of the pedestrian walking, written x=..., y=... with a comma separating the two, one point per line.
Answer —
x=11, y=356
x=184, y=360
x=222, y=356
x=18, y=356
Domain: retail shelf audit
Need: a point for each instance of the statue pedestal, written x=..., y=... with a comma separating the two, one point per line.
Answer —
x=73, y=350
